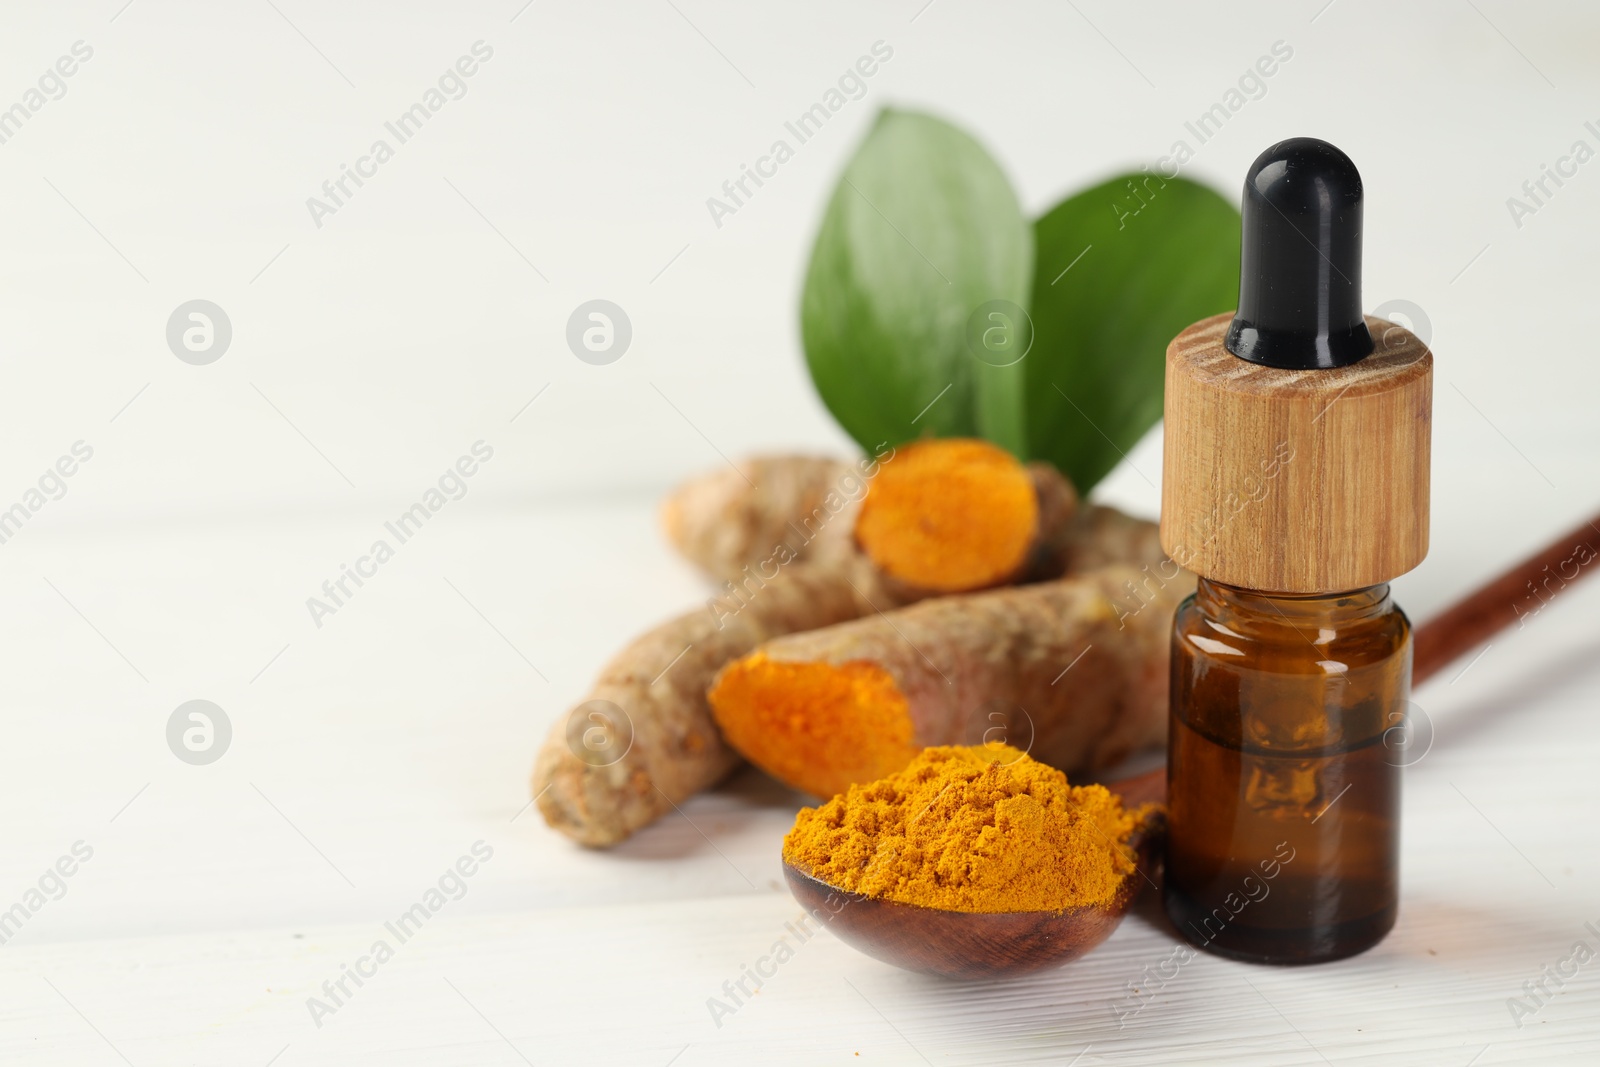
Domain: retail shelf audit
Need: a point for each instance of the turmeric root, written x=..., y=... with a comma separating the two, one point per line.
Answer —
x=736, y=517
x=938, y=516
x=1101, y=536
x=950, y=516
x=643, y=741
x=1072, y=671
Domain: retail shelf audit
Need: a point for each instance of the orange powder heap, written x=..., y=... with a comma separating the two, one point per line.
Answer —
x=981, y=829
x=950, y=516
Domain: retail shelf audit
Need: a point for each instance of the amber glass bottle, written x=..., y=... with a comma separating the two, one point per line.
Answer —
x=1296, y=486
x=1285, y=819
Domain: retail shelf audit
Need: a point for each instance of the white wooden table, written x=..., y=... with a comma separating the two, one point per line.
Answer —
x=371, y=754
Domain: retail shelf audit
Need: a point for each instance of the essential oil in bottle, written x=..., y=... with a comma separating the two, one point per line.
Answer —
x=1296, y=487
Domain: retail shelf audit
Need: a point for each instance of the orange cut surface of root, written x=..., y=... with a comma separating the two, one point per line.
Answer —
x=817, y=726
x=949, y=516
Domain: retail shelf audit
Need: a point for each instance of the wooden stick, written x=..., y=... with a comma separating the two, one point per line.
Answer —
x=1460, y=628
x=1518, y=592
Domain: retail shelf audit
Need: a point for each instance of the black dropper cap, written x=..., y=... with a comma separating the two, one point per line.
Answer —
x=1300, y=260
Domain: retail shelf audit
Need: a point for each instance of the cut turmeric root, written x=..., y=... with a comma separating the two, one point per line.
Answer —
x=938, y=516
x=1072, y=671
x=644, y=739
x=950, y=516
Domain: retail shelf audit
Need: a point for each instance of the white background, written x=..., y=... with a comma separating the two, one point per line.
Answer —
x=369, y=353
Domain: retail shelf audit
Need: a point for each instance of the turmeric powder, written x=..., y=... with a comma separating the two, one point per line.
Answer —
x=982, y=828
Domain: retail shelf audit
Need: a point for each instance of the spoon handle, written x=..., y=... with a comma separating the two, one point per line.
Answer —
x=1474, y=619
x=1515, y=594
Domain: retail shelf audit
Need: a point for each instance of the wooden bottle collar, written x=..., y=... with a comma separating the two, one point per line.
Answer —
x=1296, y=481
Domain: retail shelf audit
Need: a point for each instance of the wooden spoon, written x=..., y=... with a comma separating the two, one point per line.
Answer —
x=960, y=944
x=965, y=944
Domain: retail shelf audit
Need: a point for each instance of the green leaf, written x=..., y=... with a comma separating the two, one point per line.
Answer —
x=922, y=229
x=1152, y=262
